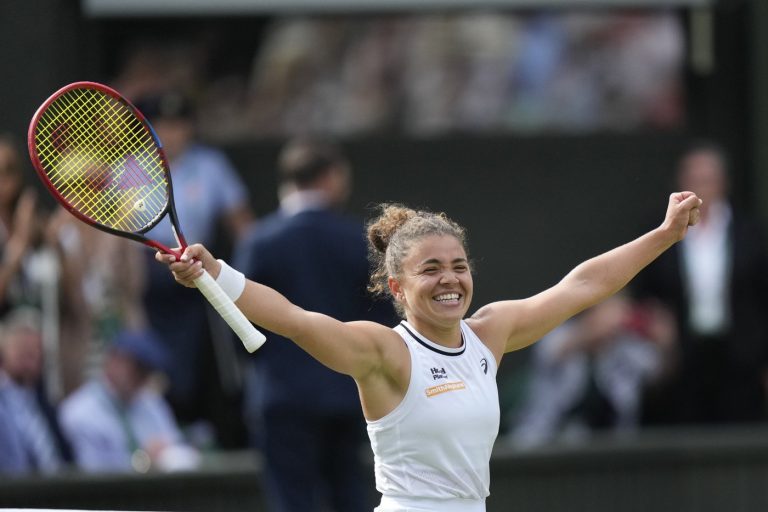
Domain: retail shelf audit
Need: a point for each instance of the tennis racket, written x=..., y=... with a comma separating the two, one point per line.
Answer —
x=102, y=160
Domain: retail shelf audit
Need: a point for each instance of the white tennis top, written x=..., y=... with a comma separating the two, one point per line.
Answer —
x=432, y=452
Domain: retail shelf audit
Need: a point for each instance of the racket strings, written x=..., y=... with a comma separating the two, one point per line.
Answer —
x=89, y=189
x=102, y=160
x=82, y=189
x=98, y=175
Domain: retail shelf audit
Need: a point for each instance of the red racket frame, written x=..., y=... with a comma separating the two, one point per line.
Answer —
x=170, y=208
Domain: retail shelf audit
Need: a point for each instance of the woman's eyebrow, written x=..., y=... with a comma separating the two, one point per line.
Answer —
x=432, y=261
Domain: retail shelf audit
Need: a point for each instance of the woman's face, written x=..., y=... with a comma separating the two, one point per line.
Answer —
x=435, y=286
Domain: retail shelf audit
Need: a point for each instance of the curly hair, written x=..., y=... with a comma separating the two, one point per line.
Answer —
x=391, y=236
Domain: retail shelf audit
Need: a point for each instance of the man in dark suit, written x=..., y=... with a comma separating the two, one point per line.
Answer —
x=306, y=419
x=716, y=283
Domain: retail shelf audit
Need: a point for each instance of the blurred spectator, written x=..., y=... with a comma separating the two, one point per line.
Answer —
x=28, y=270
x=588, y=375
x=294, y=81
x=101, y=280
x=716, y=283
x=13, y=458
x=208, y=191
x=118, y=421
x=19, y=229
x=209, y=194
x=29, y=432
x=305, y=418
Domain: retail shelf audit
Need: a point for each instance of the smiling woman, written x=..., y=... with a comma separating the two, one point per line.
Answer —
x=440, y=263
x=427, y=386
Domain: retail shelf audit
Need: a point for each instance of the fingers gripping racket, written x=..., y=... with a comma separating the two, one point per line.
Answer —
x=102, y=160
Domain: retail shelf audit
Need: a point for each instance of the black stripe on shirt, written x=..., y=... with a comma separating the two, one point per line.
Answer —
x=434, y=349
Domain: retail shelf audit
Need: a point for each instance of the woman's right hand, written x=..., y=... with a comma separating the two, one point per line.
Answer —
x=190, y=265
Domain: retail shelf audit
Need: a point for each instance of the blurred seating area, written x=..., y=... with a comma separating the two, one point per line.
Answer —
x=431, y=74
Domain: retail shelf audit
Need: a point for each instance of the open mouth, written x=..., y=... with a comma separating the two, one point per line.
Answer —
x=445, y=298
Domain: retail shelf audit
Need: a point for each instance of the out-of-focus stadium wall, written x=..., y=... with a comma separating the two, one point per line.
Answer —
x=687, y=471
x=759, y=45
x=42, y=47
x=534, y=206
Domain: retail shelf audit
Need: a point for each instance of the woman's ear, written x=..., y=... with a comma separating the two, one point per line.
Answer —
x=395, y=289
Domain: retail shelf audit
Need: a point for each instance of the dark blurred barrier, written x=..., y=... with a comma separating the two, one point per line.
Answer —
x=230, y=484
x=700, y=471
x=661, y=471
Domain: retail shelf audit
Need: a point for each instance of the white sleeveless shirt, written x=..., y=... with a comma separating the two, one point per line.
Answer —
x=432, y=452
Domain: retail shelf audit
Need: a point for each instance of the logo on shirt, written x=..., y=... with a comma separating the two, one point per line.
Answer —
x=444, y=388
x=484, y=365
x=438, y=373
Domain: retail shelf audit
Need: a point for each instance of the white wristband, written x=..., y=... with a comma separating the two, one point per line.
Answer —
x=231, y=281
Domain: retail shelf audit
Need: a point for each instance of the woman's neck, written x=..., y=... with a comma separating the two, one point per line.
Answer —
x=448, y=336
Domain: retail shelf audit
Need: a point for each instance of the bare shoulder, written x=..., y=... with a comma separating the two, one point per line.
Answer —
x=493, y=323
x=515, y=324
x=390, y=347
x=384, y=386
x=374, y=330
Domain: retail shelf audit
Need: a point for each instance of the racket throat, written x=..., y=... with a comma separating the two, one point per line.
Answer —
x=180, y=242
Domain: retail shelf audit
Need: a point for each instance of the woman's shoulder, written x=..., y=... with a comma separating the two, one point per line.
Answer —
x=490, y=324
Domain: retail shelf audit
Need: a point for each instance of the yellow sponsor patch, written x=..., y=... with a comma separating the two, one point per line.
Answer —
x=444, y=388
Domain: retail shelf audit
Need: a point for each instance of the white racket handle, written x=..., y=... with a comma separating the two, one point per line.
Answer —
x=252, y=339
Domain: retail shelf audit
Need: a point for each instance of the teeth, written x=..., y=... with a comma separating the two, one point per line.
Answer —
x=447, y=296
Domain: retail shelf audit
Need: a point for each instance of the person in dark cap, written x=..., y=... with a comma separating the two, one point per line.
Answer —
x=213, y=207
x=118, y=421
x=208, y=190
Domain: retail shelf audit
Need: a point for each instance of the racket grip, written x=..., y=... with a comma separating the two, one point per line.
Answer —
x=252, y=339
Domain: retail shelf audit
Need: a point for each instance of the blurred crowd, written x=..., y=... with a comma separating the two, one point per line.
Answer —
x=107, y=364
x=89, y=377
x=479, y=73
x=431, y=74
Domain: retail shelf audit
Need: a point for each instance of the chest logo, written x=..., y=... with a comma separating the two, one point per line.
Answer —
x=484, y=365
x=438, y=373
x=444, y=388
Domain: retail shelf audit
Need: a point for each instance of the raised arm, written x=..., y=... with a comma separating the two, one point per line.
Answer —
x=511, y=325
x=353, y=348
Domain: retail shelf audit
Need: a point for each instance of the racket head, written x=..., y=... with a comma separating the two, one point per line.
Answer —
x=101, y=159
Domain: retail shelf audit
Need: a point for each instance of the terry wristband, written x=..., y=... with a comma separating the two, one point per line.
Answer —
x=231, y=281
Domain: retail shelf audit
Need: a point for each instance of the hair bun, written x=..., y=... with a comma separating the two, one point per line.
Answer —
x=381, y=229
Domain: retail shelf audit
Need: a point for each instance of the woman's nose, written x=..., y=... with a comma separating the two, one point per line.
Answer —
x=448, y=278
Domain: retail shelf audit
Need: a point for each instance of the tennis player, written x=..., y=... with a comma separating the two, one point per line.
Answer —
x=427, y=386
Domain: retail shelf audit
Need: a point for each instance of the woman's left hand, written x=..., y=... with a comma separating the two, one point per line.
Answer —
x=682, y=211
